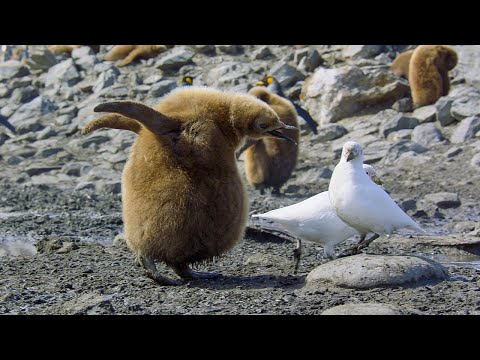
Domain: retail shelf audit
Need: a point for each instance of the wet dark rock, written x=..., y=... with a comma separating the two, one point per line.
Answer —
x=444, y=200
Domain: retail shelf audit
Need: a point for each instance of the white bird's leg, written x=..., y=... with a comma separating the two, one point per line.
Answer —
x=153, y=273
x=186, y=273
x=365, y=243
x=353, y=250
x=297, y=253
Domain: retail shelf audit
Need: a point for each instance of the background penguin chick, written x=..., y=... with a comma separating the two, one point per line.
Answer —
x=270, y=162
x=183, y=199
x=129, y=53
x=401, y=63
x=274, y=87
x=428, y=73
x=59, y=49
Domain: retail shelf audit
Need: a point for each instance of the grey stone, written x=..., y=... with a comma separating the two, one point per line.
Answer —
x=162, y=87
x=396, y=121
x=86, y=62
x=37, y=170
x=5, y=90
x=400, y=135
x=337, y=93
x=43, y=60
x=373, y=271
x=231, y=49
x=82, y=51
x=408, y=204
x=94, y=139
x=469, y=63
x=32, y=110
x=24, y=95
x=466, y=130
x=77, y=168
x=49, y=152
x=427, y=134
x=3, y=137
x=152, y=79
x=425, y=114
x=376, y=150
x=443, y=106
x=475, y=162
x=444, y=200
x=329, y=132
x=205, y=49
x=111, y=187
x=106, y=79
x=453, y=152
x=11, y=69
x=307, y=59
x=85, y=185
x=362, y=51
x=403, y=146
x=465, y=107
x=364, y=309
x=64, y=73
x=403, y=105
x=174, y=60
x=14, y=160
x=115, y=91
x=46, y=133
x=286, y=74
x=20, y=82
x=262, y=53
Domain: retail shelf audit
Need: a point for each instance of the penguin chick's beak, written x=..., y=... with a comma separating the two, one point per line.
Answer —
x=376, y=180
x=282, y=136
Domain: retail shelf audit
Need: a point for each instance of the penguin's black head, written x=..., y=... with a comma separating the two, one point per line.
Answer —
x=186, y=81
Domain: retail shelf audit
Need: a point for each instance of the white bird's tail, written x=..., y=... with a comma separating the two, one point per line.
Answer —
x=414, y=226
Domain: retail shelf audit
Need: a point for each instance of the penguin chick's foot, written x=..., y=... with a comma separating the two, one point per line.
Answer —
x=186, y=273
x=154, y=274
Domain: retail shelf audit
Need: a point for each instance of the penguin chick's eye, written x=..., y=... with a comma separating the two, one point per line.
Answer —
x=263, y=126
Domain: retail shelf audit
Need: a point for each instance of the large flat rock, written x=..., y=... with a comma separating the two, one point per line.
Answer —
x=372, y=271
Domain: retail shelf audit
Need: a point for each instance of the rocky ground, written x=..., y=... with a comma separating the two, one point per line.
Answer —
x=60, y=204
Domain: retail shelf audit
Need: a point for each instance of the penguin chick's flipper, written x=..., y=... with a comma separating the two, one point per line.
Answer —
x=186, y=273
x=154, y=274
x=153, y=120
x=4, y=121
x=306, y=116
x=112, y=121
x=249, y=142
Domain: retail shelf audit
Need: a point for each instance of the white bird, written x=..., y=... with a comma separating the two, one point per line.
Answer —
x=314, y=219
x=360, y=203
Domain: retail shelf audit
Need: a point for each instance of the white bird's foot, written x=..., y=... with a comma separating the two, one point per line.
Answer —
x=297, y=253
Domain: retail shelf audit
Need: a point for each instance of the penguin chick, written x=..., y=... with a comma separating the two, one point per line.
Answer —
x=269, y=162
x=129, y=53
x=183, y=199
x=274, y=87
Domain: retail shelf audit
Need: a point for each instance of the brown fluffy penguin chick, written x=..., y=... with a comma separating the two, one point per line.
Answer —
x=131, y=52
x=269, y=162
x=58, y=49
x=183, y=199
x=428, y=73
x=401, y=63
